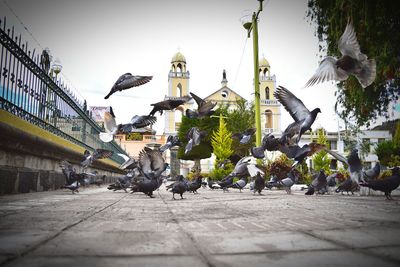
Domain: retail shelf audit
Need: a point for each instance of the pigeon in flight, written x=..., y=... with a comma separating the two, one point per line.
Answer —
x=129, y=163
x=71, y=176
x=112, y=128
x=97, y=154
x=297, y=110
x=386, y=185
x=352, y=62
x=204, y=108
x=269, y=142
x=318, y=185
x=127, y=81
x=122, y=183
x=147, y=186
x=194, y=136
x=244, y=138
x=168, y=104
x=151, y=163
x=352, y=161
x=171, y=142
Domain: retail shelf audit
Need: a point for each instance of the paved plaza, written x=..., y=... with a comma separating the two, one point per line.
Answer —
x=98, y=227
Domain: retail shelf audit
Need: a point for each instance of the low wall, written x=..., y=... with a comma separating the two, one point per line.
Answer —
x=30, y=163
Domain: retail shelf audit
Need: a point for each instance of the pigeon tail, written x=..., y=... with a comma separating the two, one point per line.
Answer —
x=368, y=73
x=106, y=137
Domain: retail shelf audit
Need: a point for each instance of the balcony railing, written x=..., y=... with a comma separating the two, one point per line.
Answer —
x=269, y=102
x=28, y=91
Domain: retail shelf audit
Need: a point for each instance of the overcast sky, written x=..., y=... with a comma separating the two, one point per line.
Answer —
x=97, y=41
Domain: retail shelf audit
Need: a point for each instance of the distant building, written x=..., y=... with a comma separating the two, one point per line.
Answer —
x=97, y=113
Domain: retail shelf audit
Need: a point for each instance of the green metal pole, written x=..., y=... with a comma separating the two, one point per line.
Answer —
x=256, y=81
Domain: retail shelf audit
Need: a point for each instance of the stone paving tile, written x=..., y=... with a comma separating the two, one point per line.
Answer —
x=116, y=243
x=364, y=237
x=387, y=252
x=119, y=261
x=15, y=242
x=248, y=242
x=302, y=259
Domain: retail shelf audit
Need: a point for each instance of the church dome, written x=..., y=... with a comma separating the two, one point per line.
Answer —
x=178, y=57
x=264, y=62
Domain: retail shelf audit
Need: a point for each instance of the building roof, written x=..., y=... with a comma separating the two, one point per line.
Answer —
x=264, y=62
x=178, y=57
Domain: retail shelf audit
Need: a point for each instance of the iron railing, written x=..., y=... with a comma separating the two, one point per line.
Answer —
x=28, y=91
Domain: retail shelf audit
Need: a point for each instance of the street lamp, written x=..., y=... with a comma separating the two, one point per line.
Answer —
x=250, y=25
x=56, y=66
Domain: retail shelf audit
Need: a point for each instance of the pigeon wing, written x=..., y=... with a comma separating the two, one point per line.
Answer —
x=142, y=121
x=337, y=156
x=327, y=71
x=348, y=44
x=200, y=102
x=133, y=81
x=109, y=123
x=292, y=104
x=253, y=170
x=102, y=153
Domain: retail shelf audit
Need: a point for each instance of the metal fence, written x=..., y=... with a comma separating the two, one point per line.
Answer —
x=31, y=91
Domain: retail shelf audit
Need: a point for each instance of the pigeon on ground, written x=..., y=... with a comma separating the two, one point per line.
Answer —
x=259, y=183
x=386, y=185
x=273, y=182
x=97, y=154
x=318, y=185
x=171, y=142
x=288, y=182
x=352, y=62
x=347, y=185
x=73, y=187
x=127, y=81
x=168, y=104
x=331, y=179
x=373, y=173
x=147, y=186
x=297, y=110
x=240, y=184
x=122, y=183
x=212, y=184
x=194, y=136
x=99, y=181
x=192, y=186
x=225, y=183
x=179, y=187
x=204, y=108
x=244, y=138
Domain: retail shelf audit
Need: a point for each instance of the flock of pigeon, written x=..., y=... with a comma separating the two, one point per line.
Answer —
x=146, y=174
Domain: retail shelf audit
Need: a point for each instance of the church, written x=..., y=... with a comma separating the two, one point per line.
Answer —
x=178, y=85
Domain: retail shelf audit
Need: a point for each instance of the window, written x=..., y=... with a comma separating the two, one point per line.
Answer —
x=267, y=93
x=224, y=94
x=179, y=90
x=333, y=145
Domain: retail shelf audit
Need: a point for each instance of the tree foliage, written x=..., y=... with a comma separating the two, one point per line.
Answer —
x=203, y=150
x=377, y=24
x=221, y=142
x=239, y=120
x=388, y=152
x=321, y=159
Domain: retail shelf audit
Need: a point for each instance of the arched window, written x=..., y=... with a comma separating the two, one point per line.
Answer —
x=179, y=67
x=267, y=92
x=173, y=68
x=179, y=90
x=268, y=119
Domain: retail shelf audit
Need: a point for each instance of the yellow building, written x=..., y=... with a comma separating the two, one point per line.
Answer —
x=178, y=86
x=224, y=96
x=270, y=108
